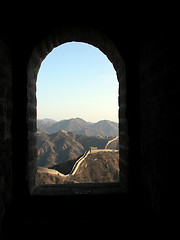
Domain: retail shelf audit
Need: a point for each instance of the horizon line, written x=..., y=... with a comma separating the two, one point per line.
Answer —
x=75, y=118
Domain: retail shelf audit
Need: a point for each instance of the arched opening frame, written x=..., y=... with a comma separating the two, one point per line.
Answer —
x=91, y=36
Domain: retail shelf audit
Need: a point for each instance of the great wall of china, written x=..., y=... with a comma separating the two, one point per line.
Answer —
x=91, y=151
x=80, y=160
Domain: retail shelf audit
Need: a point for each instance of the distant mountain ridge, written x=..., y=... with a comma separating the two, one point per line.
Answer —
x=80, y=126
x=63, y=146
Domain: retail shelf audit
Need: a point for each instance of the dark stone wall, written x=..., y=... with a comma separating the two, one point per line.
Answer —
x=6, y=108
x=159, y=93
x=149, y=45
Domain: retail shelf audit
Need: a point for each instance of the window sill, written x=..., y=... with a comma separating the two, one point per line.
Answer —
x=77, y=189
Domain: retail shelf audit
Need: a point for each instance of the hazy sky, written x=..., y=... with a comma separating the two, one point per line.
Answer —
x=77, y=80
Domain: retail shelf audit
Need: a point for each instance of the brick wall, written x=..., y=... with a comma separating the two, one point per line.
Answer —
x=5, y=129
x=149, y=116
x=159, y=83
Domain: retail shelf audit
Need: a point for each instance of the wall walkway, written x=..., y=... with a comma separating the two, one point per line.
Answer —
x=81, y=159
x=114, y=139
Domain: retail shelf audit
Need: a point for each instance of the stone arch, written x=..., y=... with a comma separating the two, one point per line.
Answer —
x=79, y=33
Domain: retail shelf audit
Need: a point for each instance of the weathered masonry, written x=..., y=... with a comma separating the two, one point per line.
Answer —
x=144, y=50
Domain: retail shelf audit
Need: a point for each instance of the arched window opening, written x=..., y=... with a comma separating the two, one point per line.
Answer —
x=86, y=35
x=77, y=117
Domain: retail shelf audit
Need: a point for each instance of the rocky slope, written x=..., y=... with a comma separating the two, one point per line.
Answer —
x=64, y=146
x=96, y=168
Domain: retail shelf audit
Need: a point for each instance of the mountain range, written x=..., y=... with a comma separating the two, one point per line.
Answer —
x=80, y=127
x=64, y=146
x=61, y=144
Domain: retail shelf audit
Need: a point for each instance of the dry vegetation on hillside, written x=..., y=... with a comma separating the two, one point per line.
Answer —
x=96, y=168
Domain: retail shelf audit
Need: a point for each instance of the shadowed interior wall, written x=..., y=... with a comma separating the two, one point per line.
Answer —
x=6, y=108
x=149, y=113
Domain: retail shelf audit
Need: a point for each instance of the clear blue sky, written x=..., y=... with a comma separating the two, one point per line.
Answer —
x=77, y=80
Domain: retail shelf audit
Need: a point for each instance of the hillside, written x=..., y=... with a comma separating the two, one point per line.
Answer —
x=114, y=144
x=45, y=123
x=96, y=168
x=80, y=126
x=64, y=146
x=57, y=147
